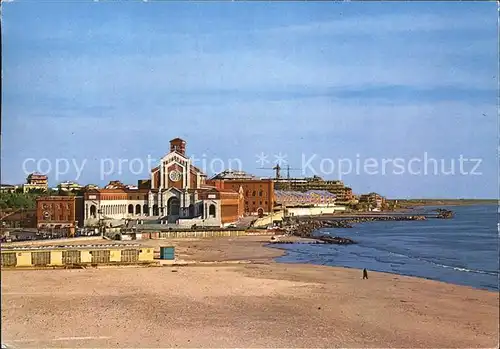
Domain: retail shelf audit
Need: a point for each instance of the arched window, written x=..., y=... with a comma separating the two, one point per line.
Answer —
x=173, y=206
x=211, y=211
x=156, y=212
x=93, y=211
x=137, y=209
x=260, y=192
x=145, y=209
x=131, y=209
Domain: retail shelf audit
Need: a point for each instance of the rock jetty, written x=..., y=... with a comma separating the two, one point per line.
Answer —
x=444, y=214
x=307, y=228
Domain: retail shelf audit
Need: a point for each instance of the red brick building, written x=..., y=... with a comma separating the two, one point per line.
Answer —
x=18, y=218
x=59, y=212
x=258, y=193
x=232, y=203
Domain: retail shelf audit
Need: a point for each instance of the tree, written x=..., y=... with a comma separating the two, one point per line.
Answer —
x=17, y=200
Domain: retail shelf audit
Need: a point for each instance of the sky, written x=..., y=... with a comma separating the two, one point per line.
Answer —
x=94, y=91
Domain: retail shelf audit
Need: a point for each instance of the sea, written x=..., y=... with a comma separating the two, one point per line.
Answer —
x=463, y=250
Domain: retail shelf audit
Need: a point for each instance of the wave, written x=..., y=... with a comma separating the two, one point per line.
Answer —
x=409, y=256
x=477, y=271
x=304, y=252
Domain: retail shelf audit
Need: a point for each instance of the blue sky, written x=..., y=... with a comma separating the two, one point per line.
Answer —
x=86, y=80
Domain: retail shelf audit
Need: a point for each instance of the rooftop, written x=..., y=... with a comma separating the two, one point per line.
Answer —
x=309, y=193
x=231, y=174
x=71, y=247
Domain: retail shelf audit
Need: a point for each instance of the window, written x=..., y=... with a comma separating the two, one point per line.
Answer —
x=246, y=203
x=253, y=193
x=260, y=202
x=253, y=202
x=260, y=192
x=211, y=211
x=265, y=202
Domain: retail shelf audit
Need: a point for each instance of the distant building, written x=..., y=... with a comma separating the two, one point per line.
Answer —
x=69, y=187
x=309, y=198
x=337, y=187
x=8, y=188
x=258, y=193
x=59, y=212
x=36, y=181
x=115, y=185
x=234, y=175
x=374, y=201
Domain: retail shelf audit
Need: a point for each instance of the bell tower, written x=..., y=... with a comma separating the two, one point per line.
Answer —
x=178, y=145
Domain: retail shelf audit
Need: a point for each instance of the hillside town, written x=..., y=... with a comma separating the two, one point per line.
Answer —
x=178, y=195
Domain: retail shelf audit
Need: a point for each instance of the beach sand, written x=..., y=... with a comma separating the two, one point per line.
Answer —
x=261, y=304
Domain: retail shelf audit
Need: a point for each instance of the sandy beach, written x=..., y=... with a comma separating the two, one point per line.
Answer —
x=258, y=304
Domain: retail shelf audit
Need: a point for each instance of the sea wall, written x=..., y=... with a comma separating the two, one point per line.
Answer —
x=314, y=211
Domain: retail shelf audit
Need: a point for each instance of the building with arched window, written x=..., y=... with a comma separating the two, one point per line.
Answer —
x=258, y=193
x=59, y=212
x=178, y=190
x=176, y=193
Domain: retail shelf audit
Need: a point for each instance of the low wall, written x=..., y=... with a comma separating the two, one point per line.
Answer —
x=82, y=239
x=314, y=211
x=209, y=222
x=267, y=220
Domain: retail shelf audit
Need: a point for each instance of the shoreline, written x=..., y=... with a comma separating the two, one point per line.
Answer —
x=191, y=251
x=285, y=253
x=260, y=303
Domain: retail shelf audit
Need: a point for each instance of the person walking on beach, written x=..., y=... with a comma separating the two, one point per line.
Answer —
x=365, y=274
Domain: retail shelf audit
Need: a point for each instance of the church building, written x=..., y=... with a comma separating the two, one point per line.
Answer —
x=179, y=192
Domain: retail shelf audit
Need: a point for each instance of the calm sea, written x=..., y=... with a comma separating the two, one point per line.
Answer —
x=463, y=250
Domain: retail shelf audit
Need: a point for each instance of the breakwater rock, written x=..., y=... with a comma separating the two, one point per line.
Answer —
x=307, y=228
x=335, y=240
x=444, y=214
x=385, y=218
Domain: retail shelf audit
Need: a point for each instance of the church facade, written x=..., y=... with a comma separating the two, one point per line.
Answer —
x=176, y=193
x=179, y=192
